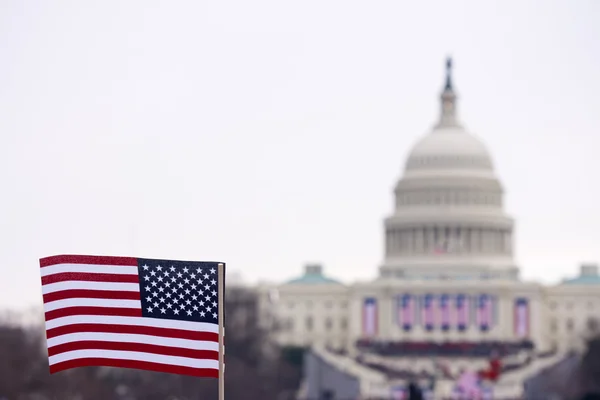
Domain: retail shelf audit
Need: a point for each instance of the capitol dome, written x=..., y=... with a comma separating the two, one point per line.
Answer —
x=449, y=219
x=449, y=148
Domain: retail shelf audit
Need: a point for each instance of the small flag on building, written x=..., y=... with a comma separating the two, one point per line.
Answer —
x=521, y=318
x=484, y=312
x=407, y=311
x=428, y=311
x=462, y=311
x=445, y=311
x=370, y=317
x=441, y=248
x=157, y=315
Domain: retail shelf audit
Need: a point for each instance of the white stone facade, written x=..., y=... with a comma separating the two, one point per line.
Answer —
x=448, y=235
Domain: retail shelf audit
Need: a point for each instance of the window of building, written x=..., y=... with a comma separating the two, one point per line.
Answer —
x=309, y=323
x=344, y=304
x=328, y=304
x=590, y=305
x=570, y=325
x=344, y=323
x=553, y=305
x=328, y=324
x=291, y=304
x=553, y=326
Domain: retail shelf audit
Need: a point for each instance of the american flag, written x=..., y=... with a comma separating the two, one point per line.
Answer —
x=521, y=317
x=407, y=311
x=462, y=311
x=484, y=312
x=428, y=312
x=442, y=248
x=370, y=317
x=156, y=315
x=445, y=311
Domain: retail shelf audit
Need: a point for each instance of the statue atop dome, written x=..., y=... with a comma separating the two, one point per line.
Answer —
x=448, y=74
x=448, y=118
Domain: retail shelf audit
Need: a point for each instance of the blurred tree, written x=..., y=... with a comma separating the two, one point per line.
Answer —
x=590, y=367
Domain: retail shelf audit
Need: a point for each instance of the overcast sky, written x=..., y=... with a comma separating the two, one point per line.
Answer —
x=268, y=134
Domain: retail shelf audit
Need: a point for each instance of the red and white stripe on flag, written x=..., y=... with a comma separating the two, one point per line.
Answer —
x=406, y=311
x=462, y=311
x=370, y=317
x=94, y=317
x=521, y=317
x=428, y=311
x=445, y=311
x=485, y=311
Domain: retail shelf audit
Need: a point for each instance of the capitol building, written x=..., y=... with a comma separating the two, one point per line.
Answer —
x=448, y=293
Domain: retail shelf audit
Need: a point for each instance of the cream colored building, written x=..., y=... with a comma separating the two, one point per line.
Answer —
x=448, y=236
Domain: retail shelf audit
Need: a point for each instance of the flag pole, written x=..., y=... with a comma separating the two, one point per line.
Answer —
x=220, y=302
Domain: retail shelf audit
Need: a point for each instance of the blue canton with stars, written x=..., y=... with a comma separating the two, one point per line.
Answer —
x=180, y=290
